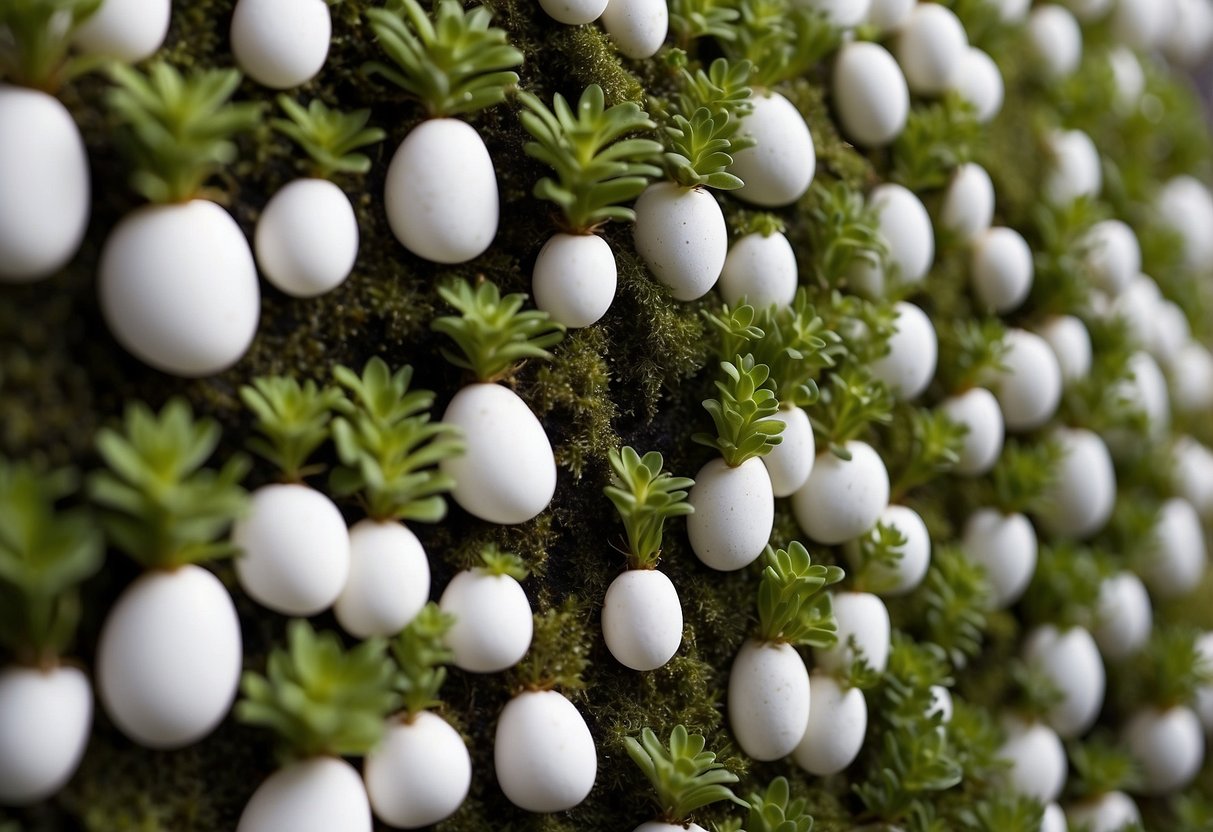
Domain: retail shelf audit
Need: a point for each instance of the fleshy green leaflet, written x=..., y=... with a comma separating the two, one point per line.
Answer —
x=775, y=811
x=453, y=62
x=498, y=562
x=797, y=346
x=928, y=446
x=742, y=413
x=596, y=166
x=45, y=553
x=645, y=497
x=879, y=551
x=937, y=139
x=388, y=446
x=329, y=137
x=685, y=777
x=161, y=506
x=851, y=402
x=698, y=150
x=420, y=653
x=783, y=40
x=844, y=230
x=180, y=126
x=791, y=605
x=319, y=697
x=492, y=332
x=693, y=19
x=35, y=38
x=293, y=420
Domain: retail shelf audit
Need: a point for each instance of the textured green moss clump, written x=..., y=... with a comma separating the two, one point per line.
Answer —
x=636, y=378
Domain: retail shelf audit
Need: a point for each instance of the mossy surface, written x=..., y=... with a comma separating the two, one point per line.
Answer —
x=638, y=378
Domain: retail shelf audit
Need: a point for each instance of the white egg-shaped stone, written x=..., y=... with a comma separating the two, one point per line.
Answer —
x=575, y=278
x=1080, y=499
x=779, y=167
x=1185, y=206
x=905, y=227
x=320, y=794
x=842, y=499
x=1138, y=307
x=864, y=618
x=507, y=473
x=1029, y=388
x=930, y=46
x=1171, y=335
x=44, y=204
x=790, y=463
x=169, y=657
x=977, y=410
x=125, y=30
x=1113, y=255
x=681, y=236
x=178, y=288
x=1187, y=39
x=941, y=703
x=1140, y=24
x=307, y=238
x=843, y=14
x=870, y=97
x=642, y=619
x=45, y=719
x=1108, y=812
x=1037, y=759
x=1192, y=474
x=1056, y=40
x=1177, y=562
x=968, y=203
x=574, y=12
x=768, y=699
x=388, y=583
x=1127, y=76
x=1005, y=546
x=1147, y=392
x=1002, y=270
x=294, y=550
x=1202, y=703
x=889, y=15
x=281, y=43
x=1071, y=343
x=915, y=553
x=1070, y=659
x=980, y=83
x=543, y=752
x=1054, y=819
x=761, y=269
x=1012, y=11
x=1192, y=378
x=441, y=192
x=909, y=365
x=1123, y=616
x=493, y=621
x=734, y=513
x=1169, y=747
x=419, y=773
x=638, y=27
x=838, y=722
x=1089, y=10
x=1075, y=169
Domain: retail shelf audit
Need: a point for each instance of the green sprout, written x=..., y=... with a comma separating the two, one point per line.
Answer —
x=792, y=608
x=320, y=698
x=1024, y=473
x=293, y=420
x=937, y=139
x=933, y=443
x=877, y=554
x=797, y=346
x=161, y=506
x=737, y=329
x=180, y=127
x=1003, y=812
x=420, y=652
x=698, y=150
x=844, y=230
x=1036, y=692
x=1065, y=587
x=329, y=137
x=45, y=553
x=1062, y=280
x=913, y=761
x=952, y=603
x=851, y=402
x=454, y=63
x=775, y=811
x=596, y=167
x=559, y=655
x=1173, y=668
x=724, y=88
x=913, y=669
x=685, y=777
x=645, y=497
x=783, y=40
x=389, y=448
x=492, y=332
x=1101, y=766
x=971, y=353
x=35, y=38
x=742, y=414
x=694, y=19
x=497, y=563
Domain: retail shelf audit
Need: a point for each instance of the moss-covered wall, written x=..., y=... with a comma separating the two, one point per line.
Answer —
x=636, y=378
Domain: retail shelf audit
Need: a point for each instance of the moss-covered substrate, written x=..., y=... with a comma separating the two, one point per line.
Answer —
x=637, y=378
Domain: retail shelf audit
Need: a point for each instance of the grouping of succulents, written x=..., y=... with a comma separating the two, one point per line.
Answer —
x=825, y=383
